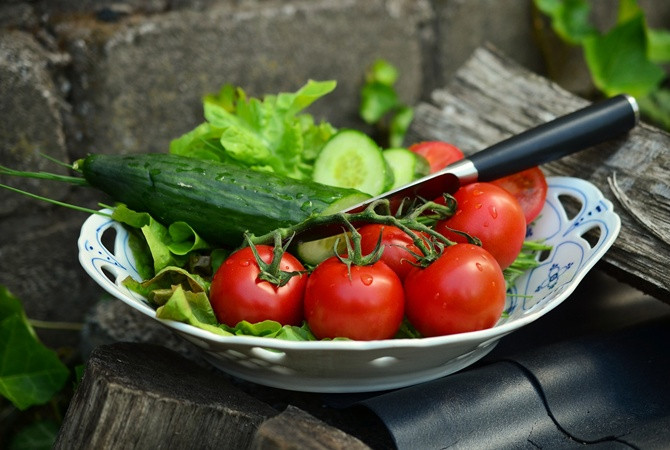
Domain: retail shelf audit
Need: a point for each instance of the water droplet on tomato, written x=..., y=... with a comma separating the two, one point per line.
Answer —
x=493, y=211
x=478, y=205
x=366, y=279
x=477, y=192
x=245, y=262
x=479, y=266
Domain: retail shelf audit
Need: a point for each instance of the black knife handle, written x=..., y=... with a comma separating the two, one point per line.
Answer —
x=579, y=130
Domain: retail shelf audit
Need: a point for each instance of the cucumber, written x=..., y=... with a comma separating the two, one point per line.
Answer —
x=219, y=201
x=406, y=165
x=314, y=252
x=351, y=159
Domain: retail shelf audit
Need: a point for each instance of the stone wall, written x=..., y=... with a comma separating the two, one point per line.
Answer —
x=128, y=76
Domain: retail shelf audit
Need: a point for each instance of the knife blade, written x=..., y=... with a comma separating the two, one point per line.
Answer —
x=584, y=128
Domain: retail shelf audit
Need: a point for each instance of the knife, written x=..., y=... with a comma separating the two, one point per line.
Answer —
x=550, y=141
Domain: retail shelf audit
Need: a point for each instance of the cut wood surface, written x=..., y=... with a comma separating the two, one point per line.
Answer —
x=146, y=396
x=492, y=98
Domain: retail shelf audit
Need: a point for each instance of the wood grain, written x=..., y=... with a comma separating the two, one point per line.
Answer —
x=491, y=98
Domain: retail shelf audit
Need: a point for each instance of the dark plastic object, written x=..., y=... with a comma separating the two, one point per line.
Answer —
x=598, y=122
x=606, y=392
x=594, y=124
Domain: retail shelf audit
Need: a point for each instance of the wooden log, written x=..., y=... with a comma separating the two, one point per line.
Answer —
x=295, y=429
x=146, y=396
x=491, y=98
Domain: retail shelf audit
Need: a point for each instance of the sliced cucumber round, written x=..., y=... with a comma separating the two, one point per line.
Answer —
x=406, y=165
x=352, y=159
x=314, y=252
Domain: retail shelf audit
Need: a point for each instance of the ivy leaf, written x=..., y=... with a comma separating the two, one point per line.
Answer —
x=656, y=107
x=569, y=18
x=399, y=126
x=30, y=373
x=38, y=435
x=618, y=60
x=658, y=49
x=377, y=99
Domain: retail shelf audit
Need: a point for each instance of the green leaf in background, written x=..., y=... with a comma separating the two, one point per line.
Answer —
x=624, y=60
x=658, y=48
x=656, y=107
x=36, y=436
x=377, y=100
x=618, y=60
x=378, y=97
x=381, y=71
x=30, y=373
x=399, y=126
x=380, y=105
x=569, y=18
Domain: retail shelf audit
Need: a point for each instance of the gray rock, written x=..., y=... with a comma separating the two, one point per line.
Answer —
x=139, y=84
x=30, y=107
x=462, y=26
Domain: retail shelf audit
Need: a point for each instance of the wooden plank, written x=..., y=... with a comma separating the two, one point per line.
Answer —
x=491, y=98
x=295, y=429
x=146, y=396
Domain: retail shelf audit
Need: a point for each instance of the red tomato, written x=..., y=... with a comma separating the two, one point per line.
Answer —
x=530, y=189
x=366, y=304
x=238, y=294
x=398, y=246
x=493, y=215
x=439, y=154
x=463, y=290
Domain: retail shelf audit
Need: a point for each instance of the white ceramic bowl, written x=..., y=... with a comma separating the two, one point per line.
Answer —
x=357, y=366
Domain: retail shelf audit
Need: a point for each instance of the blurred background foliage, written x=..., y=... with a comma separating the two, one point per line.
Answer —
x=626, y=57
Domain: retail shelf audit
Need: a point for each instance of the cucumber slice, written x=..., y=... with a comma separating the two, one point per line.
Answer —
x=314, y=252
x=352, y=159
x=406, y=165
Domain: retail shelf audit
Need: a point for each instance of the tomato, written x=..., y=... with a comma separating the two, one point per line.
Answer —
x=398, y=246
x=366, y=304
x=491, y=214
x=439, y=154
x=530, y=189
x=463, y=290
x=238, y=294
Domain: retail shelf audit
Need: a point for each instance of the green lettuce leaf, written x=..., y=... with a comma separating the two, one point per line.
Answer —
x=271, y=134
x=167, y=246
x=192, y=308
x=154, y=289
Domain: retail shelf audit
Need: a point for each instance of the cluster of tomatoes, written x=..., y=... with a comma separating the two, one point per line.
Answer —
x=462, y=290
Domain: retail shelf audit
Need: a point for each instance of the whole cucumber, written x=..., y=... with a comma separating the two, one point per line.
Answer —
x=219, y=201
